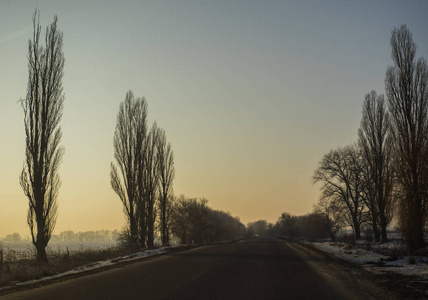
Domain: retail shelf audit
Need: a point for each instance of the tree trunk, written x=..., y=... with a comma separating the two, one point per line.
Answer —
x=133, y=227
x=357, y=229
x=164, y=232
x=163, y=223
x=184, y=237
x=41, y=252
x=383, y=226
x=143, y=231
x=150, y=237
x=376, y=231
x=150, y=227
x=415, y=230
x=40, y=244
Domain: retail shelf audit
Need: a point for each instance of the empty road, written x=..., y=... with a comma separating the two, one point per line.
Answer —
x=258, y=268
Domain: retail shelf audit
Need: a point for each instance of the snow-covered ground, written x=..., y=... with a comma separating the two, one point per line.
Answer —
x=96, y=265
x=376, y=262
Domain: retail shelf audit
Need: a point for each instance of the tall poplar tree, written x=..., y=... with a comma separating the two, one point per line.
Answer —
x=43, y=108
x=406, y=86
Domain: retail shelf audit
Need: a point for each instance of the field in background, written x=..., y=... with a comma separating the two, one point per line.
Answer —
x=25, y=250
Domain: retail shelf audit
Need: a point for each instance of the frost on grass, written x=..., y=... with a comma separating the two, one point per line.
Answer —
x=88, y=267
x=381, y=258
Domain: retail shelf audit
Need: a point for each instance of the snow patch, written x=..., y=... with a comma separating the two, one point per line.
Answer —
x=376, y=262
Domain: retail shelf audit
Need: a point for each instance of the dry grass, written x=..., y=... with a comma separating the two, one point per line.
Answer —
x=29, y=269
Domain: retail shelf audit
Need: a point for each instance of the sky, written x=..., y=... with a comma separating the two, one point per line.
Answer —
x=251, y=95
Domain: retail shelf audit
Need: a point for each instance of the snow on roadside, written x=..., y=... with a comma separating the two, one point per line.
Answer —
x=96, y=265
x=351, y=254
x=375, y=262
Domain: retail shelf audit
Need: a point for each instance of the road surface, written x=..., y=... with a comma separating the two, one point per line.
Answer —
x=258, y=268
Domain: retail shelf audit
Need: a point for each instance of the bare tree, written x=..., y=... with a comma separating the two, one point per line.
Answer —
x=141, y=209
x=371, y=215
x=129, y=142
x=285, y=225
x=150, y=184
x=43, y=108
x=376, y=143
x=136, y=175
x=340, y=174
x=166, y=176
x=332, y=212
x=406, y=87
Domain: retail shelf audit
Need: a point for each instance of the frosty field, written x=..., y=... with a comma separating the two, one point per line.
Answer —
x=26, y=250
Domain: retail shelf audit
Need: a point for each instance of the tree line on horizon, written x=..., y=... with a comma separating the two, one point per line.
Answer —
x=193, y=221
x=142, y=174
x=69, y=236
x=312, y=226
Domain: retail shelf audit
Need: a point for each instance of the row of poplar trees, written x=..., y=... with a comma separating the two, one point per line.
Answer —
x=143, y=174
x=144, y=170
x=386, y=171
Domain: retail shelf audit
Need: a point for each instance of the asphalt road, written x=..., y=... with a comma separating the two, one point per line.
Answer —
x=259, y=268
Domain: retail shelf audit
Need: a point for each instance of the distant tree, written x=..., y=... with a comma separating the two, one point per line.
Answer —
x=13, y=238
x=67, y=236
x=166, y=176
x=193, y=221
x=260, y=227
x=312, y=226
x=249, y=230
x=340, y=173
x=190, y=219
x=376, y=144
x=332, y=211
x=406, y=86
x=224, y=227
x=286, y=225
x=43, y=108
x=129, y=141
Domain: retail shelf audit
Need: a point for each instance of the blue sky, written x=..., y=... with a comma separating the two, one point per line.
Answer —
x=251, y=94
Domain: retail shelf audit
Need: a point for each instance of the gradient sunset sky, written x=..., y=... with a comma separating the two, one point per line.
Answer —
x=251, y=95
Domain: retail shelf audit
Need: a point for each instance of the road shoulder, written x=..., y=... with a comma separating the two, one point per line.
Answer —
x=354, y=277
